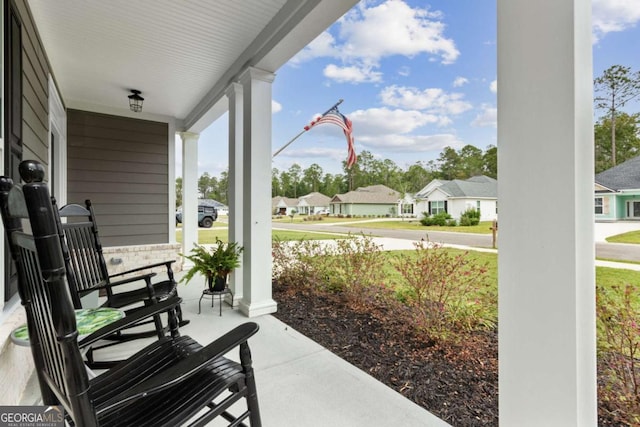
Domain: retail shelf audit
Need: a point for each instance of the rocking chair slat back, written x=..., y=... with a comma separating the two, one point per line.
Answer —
x=83, y=251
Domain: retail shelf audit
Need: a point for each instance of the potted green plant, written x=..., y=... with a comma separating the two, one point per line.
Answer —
x=215, y=263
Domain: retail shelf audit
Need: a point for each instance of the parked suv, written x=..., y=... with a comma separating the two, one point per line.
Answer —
x=206, y=216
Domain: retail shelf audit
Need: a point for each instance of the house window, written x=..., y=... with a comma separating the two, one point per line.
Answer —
x=478, y=205
x=598, y=204
x=407, y=208
x=437, y=206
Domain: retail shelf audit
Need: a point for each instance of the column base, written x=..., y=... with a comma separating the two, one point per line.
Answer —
x=259, y=308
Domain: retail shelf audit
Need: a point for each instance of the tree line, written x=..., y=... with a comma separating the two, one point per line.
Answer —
x=296, y=181
x=616, y=137
x=451, y=164
x=616, y=133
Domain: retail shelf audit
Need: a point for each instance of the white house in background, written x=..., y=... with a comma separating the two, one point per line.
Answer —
x=313, y=203
x=281, y=205
x=456, y=196
x=407, y=206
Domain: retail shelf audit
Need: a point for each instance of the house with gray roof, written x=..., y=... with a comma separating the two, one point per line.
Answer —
x=617, y=192
x=456, y=196
x=313, y=203
x=378, y=200
x=281, y=205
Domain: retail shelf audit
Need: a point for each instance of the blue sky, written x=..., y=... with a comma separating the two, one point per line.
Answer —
x=416, y=76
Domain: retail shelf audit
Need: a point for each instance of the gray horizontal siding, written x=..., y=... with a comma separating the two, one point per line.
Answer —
x=121, y=165
x=35, y=90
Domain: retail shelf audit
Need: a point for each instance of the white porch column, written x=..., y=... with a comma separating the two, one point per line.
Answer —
x=256, y=186
x=547, y=350
x=189, y=191
x=236, y=211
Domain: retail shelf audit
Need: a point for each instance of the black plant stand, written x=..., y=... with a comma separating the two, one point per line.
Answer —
x=209, y=292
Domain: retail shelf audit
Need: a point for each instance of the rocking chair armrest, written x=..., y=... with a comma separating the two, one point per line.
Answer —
x=129, y=280
x=158, y=264
x=185, y=368
x=130, y=320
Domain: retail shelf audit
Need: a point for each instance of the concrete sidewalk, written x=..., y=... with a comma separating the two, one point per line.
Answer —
x=391, y=244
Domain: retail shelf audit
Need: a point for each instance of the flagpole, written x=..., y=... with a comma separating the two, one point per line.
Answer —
x=304, y=130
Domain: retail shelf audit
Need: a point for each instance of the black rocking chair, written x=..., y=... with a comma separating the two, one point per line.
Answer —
x=87, y=269
x=173, y=381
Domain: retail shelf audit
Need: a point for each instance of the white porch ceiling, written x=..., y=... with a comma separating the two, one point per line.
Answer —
x=181, y=54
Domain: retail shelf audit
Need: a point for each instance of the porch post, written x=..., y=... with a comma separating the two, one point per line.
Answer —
x=547, y=351
x=256, y=185
x=189, y=191
x=236, y=211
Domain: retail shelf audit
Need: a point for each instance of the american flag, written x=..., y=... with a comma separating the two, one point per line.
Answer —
x=335, y=117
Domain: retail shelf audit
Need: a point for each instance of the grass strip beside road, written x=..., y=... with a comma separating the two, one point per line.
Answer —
x=413, y=224
x=630, y=237
x=208, y=235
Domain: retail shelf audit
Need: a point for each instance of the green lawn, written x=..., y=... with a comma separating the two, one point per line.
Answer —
x=413, y=224
x=606, y=277
x=279, y=219
x=407, y=224
x=208, y=235
x=630, y=237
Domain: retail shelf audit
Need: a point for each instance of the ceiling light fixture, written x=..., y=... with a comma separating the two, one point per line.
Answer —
x=135, y=101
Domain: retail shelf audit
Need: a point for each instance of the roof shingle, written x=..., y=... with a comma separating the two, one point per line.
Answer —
x=625, y=176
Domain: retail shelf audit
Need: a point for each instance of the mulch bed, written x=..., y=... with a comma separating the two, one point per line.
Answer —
x=456, y=382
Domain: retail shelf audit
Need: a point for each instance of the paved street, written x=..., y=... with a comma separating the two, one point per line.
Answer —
x=614, y=251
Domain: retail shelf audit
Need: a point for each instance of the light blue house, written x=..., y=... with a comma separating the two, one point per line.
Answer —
x=617, y=192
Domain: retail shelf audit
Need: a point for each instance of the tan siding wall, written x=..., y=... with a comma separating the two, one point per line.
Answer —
x=121, y=164
x=35, y=90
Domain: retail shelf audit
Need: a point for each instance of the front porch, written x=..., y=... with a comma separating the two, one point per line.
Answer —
x=299, y=381
x=96, y=52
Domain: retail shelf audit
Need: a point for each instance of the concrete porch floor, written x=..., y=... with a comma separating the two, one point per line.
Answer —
x=300, y=383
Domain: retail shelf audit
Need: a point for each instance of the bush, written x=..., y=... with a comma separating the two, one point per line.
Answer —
x=298, y=263
x=618, y=321
x=441, y=289
x=350, y=266
x=470, y=217
x=355, y=267
x=440, y=219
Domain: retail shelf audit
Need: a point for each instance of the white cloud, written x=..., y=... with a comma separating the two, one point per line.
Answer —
x=460, y=81
x=410, y=143
x=337, y=154
x=394, y=28
x=404, y=71
x=352, y=74
x=275, y=106
x=488, y=116
x=493, y=87
x=433, y=100
x=322, y=46
x=384, y=121
x=614, y=15
x=399, y=130
x=369, y=33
